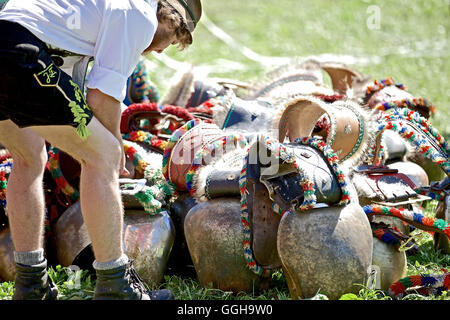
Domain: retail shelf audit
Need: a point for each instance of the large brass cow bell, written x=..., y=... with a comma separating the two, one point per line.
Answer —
x=389, y=263
x=7, y=268
x=147, y=240
x=415, y=172
x=326, y=249
x=214, y=236
x=433, y=171
x=70, y=235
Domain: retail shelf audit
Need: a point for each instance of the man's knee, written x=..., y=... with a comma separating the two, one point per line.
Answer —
x=30, y=158
x=105, y=158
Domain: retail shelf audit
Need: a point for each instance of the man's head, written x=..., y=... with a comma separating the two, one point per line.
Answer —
x=177, y=20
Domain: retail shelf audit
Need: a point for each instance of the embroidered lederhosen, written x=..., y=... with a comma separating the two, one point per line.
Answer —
x=34, y=91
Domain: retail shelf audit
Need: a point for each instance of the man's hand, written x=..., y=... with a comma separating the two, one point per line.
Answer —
x=108, y=111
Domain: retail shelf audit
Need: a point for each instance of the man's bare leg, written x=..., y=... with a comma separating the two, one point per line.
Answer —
x=99, y=156
x=25, y=197
x=101, y=204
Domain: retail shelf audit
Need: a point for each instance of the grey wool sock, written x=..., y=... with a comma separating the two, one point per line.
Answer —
x=29, y=258
x=121, y=261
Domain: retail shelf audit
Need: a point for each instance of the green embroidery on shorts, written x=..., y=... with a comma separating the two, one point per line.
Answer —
x=48, y=76
x=78, y=110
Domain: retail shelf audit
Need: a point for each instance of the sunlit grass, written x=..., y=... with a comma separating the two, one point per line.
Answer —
x=411, y=43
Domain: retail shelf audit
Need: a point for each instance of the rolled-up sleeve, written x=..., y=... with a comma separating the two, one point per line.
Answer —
x=126, y=31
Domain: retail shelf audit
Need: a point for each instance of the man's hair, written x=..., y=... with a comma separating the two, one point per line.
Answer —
x=166, y=13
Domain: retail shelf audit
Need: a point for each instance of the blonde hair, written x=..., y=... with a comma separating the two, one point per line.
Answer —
x=166, y=13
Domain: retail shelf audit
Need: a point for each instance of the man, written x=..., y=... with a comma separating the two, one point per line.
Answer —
x=39, y=102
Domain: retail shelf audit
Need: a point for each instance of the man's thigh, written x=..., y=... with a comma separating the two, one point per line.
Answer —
x=23, y=144
x=28, y=144
x=99, y=147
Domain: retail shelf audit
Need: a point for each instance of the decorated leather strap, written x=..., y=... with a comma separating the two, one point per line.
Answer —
x=205, y=155
x=392, y=236
x=146, y=138
x=421, y=105
x=172, y=142
x=282, y=153
x=376, y=86
x=5, y=169
x=412, y=119
x=62, y=184
x=423, y=283
x=416, y=219
x=140, y=87
x=418, y=140
x=150, y=197
x=182, y=146
x=422, y=123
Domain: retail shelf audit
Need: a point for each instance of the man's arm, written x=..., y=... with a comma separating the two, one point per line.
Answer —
x=108, y=111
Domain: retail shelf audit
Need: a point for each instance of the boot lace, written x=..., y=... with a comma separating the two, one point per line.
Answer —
x=136, y=281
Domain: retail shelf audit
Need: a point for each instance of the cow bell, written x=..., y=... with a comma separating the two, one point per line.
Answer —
x=147, y=240
x=326, y=249
x=389, y=263
x=214, y=235
x=7, y=268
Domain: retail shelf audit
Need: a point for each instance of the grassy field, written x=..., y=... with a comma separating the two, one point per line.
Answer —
x=406, y=39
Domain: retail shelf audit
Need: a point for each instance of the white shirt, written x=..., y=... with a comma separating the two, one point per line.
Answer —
x=114, y=32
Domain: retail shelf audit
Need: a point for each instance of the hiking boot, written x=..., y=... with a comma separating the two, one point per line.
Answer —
x=33, y=283
x=124, y=283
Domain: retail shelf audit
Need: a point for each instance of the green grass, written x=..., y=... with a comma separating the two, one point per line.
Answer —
x=426, y=261
x=411, y=45
x=79, y=285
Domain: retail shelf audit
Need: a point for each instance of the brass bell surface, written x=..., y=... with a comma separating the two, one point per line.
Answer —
x=70, y=235
x=7, y=269
x=434, y=171
x=327, y=249
x=391, y=263
x=214, y=235
x=441, y=241
x=147, y=240
x=414, y=171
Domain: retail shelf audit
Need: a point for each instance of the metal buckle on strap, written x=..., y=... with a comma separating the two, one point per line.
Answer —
x=131, y=186
x=267, y=180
